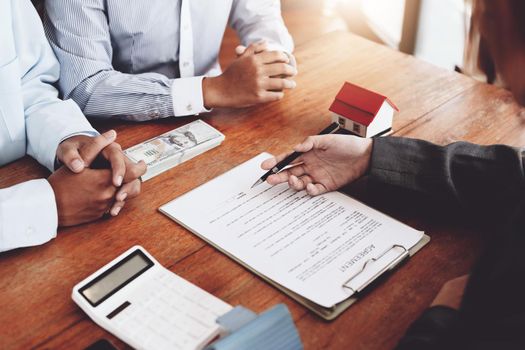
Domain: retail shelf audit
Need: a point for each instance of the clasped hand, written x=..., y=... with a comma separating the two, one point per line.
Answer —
x=85, y=194
x=258, y=75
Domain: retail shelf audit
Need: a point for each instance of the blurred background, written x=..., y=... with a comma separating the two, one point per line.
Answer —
x=432, y=30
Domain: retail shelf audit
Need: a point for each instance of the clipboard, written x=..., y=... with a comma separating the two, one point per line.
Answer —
x=365, y=270
x=323, y=312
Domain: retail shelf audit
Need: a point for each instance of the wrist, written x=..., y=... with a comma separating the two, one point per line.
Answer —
x=52, y=185
x=211, y=92
x=368, y=155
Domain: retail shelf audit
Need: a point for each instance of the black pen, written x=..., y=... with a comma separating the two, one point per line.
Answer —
x=286, y=161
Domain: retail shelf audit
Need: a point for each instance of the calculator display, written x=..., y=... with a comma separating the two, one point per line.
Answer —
x=114, y=279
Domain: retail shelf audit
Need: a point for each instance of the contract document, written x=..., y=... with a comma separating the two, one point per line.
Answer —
x=324, y=249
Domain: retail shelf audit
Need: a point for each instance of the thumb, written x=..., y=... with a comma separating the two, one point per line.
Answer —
x=255, y=48
x=240, y=49
x=69, y=156
x=91, y=150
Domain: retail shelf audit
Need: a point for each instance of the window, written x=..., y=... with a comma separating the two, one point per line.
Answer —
x=342, y=122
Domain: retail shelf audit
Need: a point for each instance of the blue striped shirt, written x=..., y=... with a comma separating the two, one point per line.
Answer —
x=145, y=59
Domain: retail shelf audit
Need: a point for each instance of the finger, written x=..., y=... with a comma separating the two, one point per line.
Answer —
x=296, y=183
x=102, y=181
x=271, y=96
x=134, y=170
x=116, y=158
x=106, y=196
x=240, y=49
x=279, y=70
x=275, y=84
x=278, y=178
x=122, y=193
x=70, y=157
x=306, y=179
x=314, y=189
x=293, y=62
x=284, y=175
x=307, y=145
x=135, y=188
x=297, y=170
x=116, y=208
x=129, y=190
x=255, y=48
x=90, y=151
x=271, y=162
x=273, y=57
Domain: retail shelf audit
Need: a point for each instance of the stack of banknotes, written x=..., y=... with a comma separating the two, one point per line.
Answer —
x=174, y=147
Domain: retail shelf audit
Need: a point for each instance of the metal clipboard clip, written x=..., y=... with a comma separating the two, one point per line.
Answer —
x=402, y=256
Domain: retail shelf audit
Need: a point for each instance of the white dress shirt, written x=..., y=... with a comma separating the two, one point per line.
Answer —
x=145, y=59
x=32, y=120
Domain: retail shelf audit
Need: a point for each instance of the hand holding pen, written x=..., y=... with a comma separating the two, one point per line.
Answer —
x=323, y=163
x=291, y=157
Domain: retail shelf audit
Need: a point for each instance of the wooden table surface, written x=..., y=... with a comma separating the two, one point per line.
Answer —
x=36, y=310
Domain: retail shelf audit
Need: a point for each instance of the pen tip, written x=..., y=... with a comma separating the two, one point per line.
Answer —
x=257, y=183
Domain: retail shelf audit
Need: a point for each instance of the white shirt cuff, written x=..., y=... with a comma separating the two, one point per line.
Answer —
x=28, y=215
x=187, y=96
x=80, y=133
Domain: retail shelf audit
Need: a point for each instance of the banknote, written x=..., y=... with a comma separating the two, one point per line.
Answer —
x=174, y=147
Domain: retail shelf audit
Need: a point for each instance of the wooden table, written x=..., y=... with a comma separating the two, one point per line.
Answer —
x=441, y=106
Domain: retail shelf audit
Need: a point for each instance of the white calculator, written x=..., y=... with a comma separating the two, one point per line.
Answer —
x=148, y=306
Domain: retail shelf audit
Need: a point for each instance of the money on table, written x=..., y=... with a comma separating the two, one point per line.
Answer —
x=174, y=147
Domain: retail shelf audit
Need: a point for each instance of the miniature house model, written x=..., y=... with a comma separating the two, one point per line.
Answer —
x=362, y=112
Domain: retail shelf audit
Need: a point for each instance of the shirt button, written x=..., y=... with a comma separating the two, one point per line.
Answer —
x=186, y=64
x=189, y=107
x=29, y=231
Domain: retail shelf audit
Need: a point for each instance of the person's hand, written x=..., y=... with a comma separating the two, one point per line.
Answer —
x=451, y=293
x=254, y=48
x=131, y=183
x=257, y=76
x=79, y=152
x=328, y=162
x=258, y=48
x=82, y=197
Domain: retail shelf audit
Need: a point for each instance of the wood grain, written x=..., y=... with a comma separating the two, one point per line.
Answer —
x=37, y=310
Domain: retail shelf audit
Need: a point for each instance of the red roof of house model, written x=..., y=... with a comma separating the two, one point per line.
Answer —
x=358, y=104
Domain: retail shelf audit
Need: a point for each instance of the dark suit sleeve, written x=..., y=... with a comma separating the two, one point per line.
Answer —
x=488, y=183
x=485, y=181
x=437, y=328
x=492, y=311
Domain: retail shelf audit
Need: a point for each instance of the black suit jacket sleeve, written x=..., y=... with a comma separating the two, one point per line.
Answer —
x=437, y=328
x=487, y=182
